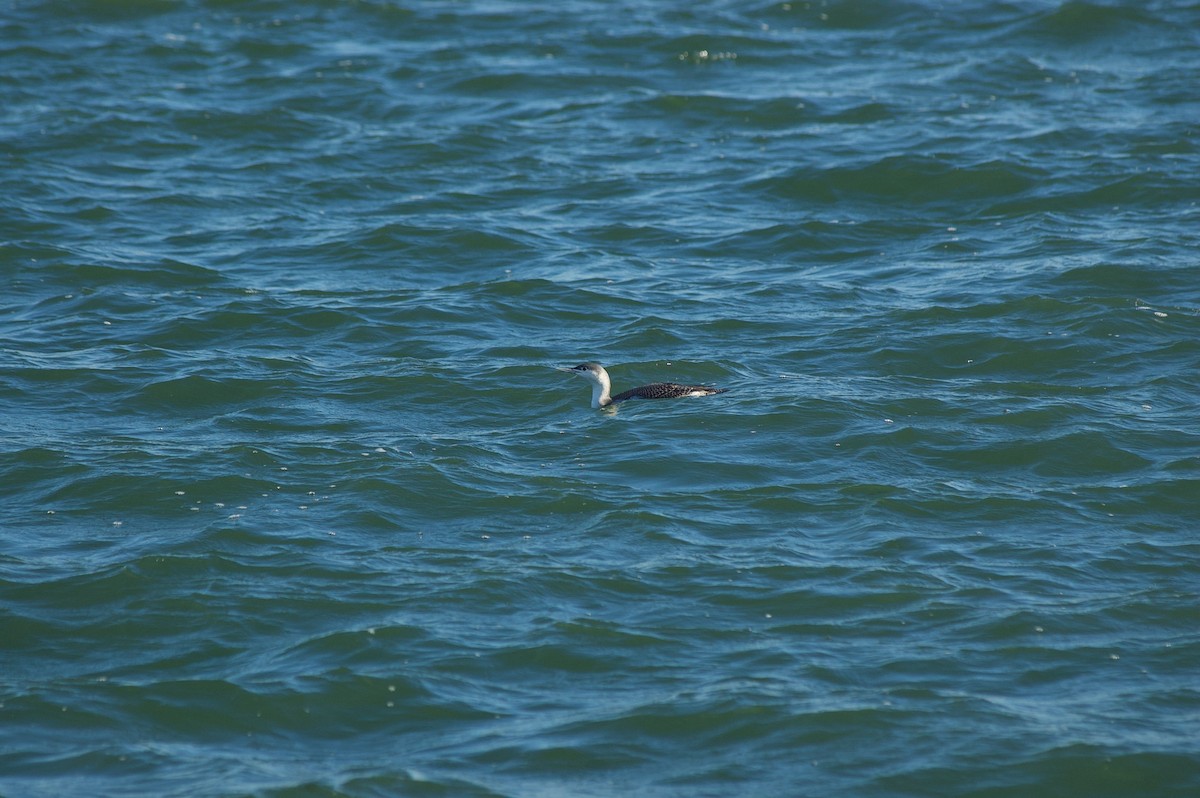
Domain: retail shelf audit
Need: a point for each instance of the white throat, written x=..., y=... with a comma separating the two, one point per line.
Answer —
x=601, y=386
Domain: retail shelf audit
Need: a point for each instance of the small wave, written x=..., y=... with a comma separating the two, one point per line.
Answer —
x=166, y=274
x=930, y=180
x=197, y=392
x=1079, y=21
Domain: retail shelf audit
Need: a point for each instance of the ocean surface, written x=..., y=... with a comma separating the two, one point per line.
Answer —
x=293, y=505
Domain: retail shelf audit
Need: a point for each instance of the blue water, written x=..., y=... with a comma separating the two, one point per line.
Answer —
x=292, y=503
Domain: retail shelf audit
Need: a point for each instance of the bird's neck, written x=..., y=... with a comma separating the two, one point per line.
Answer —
x=600, y=391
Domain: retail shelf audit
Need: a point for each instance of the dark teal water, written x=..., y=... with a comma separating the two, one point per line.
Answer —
x=293, y=505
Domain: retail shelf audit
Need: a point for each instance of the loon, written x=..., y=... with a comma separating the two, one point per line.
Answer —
x=601, y=386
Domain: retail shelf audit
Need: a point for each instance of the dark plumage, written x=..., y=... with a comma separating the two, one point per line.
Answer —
x=666, y=390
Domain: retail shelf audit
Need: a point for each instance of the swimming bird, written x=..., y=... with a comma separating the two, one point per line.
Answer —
x=602, y=385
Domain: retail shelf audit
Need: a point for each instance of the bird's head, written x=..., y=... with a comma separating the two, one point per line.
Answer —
x=589, y=371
